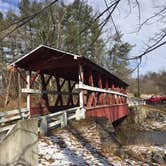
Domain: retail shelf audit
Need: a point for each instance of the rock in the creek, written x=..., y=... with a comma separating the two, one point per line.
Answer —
x=148, y=157
x=164, y=157
x=158, y=157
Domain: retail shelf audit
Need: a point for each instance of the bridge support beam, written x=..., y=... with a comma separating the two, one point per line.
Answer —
x=28, y=79
x=80, y=113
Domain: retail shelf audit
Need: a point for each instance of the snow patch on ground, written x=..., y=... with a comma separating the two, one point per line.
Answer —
x=64, y=149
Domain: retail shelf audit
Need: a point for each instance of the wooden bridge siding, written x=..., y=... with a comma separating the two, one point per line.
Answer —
x=112, y=112
x=56, y=63
x=89, y=99
x=95, y=102
x=44, y=106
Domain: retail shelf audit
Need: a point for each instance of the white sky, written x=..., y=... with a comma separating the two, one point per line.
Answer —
x=154, y=61
x=128, y=23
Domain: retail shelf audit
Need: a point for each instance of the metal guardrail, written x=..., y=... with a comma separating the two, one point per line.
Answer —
x=59, y=118
x=9, y=118
x=135, y=102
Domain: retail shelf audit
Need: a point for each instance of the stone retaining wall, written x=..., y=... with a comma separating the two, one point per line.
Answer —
x=20, y=145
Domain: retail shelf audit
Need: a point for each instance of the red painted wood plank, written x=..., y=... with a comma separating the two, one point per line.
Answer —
x=112, y=113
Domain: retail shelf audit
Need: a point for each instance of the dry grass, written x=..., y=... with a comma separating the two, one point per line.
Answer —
x=12, y=105
x=156, y=108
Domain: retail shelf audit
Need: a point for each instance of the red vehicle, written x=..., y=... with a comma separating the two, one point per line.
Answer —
x=156, y=100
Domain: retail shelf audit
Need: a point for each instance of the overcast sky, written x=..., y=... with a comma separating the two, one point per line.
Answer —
x=155, y=61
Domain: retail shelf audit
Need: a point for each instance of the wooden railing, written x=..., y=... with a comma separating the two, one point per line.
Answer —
x=95, y=89
x=94, y=96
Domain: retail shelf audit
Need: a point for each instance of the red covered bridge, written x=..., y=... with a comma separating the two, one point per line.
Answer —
x=57, y=80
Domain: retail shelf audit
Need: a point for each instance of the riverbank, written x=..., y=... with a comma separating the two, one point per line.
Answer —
x=143, y=134
x=79, y=145
x=97, y=142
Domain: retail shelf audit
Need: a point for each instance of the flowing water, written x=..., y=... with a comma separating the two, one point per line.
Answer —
x=146, y=141
x=144, y=132
x=135, y=137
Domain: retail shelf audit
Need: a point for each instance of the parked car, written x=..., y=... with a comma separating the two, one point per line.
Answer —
x=156, y=100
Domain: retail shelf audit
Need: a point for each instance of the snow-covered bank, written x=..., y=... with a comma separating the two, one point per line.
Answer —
x=96, y=142
x=79, y=147
x=65, y=149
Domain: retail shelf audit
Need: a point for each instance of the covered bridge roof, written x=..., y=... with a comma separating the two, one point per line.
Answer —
x=63, y=64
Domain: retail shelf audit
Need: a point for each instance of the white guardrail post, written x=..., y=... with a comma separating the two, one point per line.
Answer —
x=64, y=119
x=43, y=126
